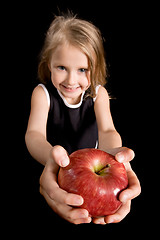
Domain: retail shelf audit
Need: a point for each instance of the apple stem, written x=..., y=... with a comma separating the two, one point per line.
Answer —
x=103, y=169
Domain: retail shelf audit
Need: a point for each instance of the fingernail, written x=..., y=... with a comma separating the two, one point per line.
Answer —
x=78, y=201
x=110, y=221
x=64, y=162
x=125, y=198
x=83, y=215
x=133, y=154
x=120, y=157
x=101, y=222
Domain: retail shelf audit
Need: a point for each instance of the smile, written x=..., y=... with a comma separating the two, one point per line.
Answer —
x=70, y=88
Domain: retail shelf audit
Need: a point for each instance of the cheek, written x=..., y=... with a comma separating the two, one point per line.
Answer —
x=87, y=83
x=56, y=78
x=83, y=81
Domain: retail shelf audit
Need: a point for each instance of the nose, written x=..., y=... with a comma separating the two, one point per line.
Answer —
x=71, y=78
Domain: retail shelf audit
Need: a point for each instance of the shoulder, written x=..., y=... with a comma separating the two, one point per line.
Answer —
x=39, y=111
x=102, y=96
x=38, y=93
x=39, y=97
x=102, y=106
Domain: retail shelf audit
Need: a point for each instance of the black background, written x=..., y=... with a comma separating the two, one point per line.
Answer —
x=128, y=31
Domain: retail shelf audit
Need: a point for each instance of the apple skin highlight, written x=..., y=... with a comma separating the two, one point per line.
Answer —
x=97, y=177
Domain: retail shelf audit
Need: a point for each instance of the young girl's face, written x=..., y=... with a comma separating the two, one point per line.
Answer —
x=70, y=72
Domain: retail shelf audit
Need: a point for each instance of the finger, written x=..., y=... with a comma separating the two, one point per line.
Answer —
x=57, y=194
x=75, y=216
x=77, y=213
x=82, y=220
x=125, y=155
x=120, y=214
x=60, y=156
x=133, y=190
x=99, y=220
x=48, y=182
x=62, y=196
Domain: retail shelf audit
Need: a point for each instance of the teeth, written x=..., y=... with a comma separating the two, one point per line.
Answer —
x=72, y=88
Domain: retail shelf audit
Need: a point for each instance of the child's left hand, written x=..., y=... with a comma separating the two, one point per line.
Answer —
x=123, y=155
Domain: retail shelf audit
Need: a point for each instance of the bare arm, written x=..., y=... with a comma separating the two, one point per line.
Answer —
x=109, y=138
x=35, y=136
x=110, y=141
x=52, y=157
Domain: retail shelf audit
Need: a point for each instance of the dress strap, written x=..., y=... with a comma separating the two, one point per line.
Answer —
x=71, y=105
x=97, y=88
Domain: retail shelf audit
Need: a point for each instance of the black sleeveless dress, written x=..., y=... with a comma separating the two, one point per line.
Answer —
x=71, y=126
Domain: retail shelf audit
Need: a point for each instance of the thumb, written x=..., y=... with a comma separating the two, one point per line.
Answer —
x=125, y=155
x=60, y=156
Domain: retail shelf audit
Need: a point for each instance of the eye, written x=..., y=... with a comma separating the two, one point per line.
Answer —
x=61, y=68
x=83, y=70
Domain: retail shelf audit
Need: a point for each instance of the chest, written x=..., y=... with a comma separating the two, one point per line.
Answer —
x=75, y=119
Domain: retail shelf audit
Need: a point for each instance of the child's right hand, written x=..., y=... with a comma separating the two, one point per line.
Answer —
x=59, y=200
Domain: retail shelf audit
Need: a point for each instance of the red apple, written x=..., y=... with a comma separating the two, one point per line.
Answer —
x=97, y=177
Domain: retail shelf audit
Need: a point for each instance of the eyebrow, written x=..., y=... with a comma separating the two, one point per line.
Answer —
x=59, y=63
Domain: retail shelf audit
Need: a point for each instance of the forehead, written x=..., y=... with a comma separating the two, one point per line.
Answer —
x=67, y=54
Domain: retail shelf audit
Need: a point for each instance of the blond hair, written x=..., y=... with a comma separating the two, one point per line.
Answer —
x=81, y=34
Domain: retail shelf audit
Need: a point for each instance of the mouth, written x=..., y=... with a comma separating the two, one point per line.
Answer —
x=70, y=88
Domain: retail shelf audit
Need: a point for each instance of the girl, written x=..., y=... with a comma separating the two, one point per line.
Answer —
x=70, y=110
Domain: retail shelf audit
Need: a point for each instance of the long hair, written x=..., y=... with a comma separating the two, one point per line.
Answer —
x=81, y=34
